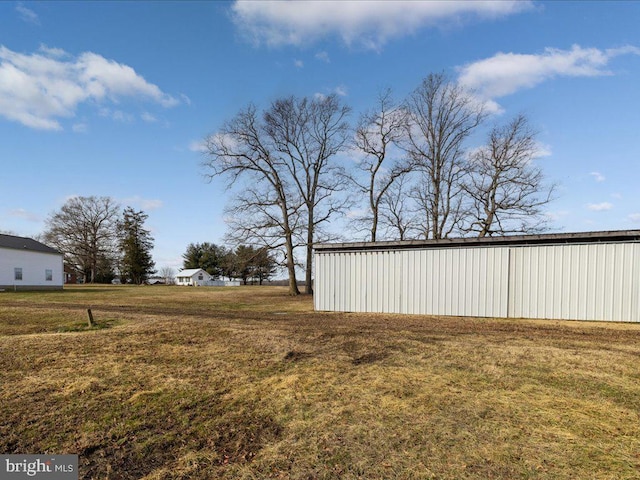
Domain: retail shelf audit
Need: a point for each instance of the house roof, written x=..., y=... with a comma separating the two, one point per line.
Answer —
x=616, y=236
x=190, y=272
x=24, y=243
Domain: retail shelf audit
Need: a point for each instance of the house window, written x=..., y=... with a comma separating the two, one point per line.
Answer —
x=200, y=277
x=48, y=275
x=17, y=273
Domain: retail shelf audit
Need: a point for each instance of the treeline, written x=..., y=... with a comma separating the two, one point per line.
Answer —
x=406, y=170
x=246, y=263
x=101, y=241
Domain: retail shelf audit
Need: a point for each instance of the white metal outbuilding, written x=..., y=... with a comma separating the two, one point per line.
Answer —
x=576, y=276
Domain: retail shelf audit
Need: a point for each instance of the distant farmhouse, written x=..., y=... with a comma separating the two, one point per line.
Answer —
x=197, y=277
x=26, y=264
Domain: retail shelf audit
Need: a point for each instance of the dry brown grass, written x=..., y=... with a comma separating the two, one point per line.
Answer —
x=249, y=383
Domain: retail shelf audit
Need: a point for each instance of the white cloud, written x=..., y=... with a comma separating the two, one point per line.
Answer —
x=202, y=146
x=557, y=215
x=199, y=146
x=106, y=78
x=52, y=52
x=634, y=217
x=24, y=214
x=27, y=15
x=39, y=89
x=323, y=57
x=341, y=90
x=152, y=204
x=490, y=106
x=80, y=127
x=143, y=203
x=541, y=150
x=120, y=116
x=598, y=177
x=147, y=117
x=506, y=73
x=117, y=115
x=600, y=207
x=364, y=23
x=357, y=213
x=298, y=63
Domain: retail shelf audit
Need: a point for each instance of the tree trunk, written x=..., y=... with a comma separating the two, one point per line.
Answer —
x=308, y=278
x=291, y=268
x=374, y=226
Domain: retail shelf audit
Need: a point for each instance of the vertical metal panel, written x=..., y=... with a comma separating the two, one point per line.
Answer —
x=447, y=281
x=580, y=282
x=318, y=261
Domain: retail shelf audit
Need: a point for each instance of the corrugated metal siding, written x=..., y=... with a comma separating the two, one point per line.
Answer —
x=450, y=281
x=581, y=282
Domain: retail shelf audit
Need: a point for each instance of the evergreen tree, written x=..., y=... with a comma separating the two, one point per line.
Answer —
x=208, y=256
x=135, y=243
x=253, y=264
x=244, y=257
x=264, y=265
x=105, y=269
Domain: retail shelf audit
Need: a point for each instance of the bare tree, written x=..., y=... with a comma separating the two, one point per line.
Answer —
x=306, y=136
x=85, y=230
x=376, y=135
x=442, y=116
x=267, y=209
x=255, y=216
x=397, y=213
x=168, y=274
x=506, y=189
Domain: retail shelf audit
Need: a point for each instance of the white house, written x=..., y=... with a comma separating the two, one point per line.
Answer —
x=26, y=264
x=199, y=278
x=192, y=277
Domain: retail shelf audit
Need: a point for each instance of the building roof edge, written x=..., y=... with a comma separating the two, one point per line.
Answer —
x=609, y=236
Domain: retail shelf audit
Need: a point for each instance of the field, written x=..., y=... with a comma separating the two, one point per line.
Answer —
x=248, y=383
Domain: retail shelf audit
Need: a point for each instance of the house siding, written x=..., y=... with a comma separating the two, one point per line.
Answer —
x=34, y=266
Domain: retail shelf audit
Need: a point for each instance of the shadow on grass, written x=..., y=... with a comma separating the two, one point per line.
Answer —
x=85, y=327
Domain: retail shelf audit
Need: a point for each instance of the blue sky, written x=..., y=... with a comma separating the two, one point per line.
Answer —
x=113, y=98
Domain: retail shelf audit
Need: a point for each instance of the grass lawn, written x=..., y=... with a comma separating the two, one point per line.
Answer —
x=248, y=383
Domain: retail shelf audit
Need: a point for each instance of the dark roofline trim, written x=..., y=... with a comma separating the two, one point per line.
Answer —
x=13, y=242
x=614, y=236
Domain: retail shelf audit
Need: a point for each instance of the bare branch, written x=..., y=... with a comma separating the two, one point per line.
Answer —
x=442, y=116
x=507, y=190
x=84, y=229
x=376, y=135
